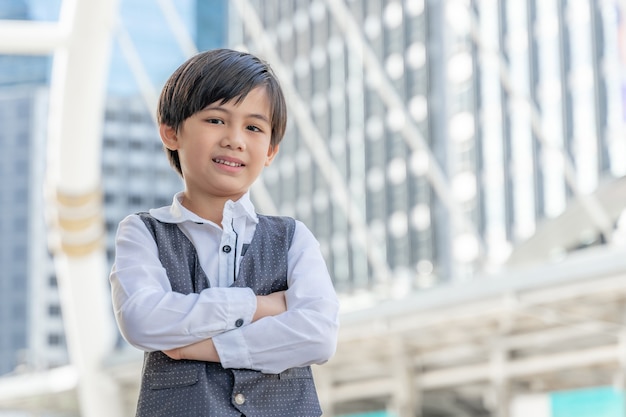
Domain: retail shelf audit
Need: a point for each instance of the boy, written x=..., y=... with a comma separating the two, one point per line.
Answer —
x=229, y=306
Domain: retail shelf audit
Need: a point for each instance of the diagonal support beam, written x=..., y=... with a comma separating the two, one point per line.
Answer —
x=392, y=99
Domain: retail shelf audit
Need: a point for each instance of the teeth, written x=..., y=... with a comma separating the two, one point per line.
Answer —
x=230, y=164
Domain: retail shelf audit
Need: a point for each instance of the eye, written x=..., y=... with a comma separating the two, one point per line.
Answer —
x=254, y=128
x=214, y=121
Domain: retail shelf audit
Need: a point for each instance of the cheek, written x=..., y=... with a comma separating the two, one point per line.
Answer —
x=189, y=157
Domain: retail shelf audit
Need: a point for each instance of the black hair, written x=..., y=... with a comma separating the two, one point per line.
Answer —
x=218, y=75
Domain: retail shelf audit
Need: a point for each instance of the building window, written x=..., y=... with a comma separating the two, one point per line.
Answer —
x=54, y=339
x=134, y=200
x=54, y=310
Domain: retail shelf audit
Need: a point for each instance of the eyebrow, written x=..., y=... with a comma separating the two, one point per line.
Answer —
x=259, y=116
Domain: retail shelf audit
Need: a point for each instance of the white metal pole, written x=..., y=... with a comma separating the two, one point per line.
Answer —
x=74, y=204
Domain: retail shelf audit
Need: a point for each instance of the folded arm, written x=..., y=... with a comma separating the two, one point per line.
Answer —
x=267, y=306
x=305, y=334
x=153, y=317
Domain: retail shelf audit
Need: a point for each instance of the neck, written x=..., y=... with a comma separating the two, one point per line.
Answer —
x=209, y=208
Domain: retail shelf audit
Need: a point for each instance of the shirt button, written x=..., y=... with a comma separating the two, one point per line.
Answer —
x=226, y=248
x=239, y=323
x=240, y=399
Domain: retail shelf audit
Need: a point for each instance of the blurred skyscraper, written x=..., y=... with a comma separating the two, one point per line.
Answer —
x=429, y=140
x=433, y=142
x=30, y=318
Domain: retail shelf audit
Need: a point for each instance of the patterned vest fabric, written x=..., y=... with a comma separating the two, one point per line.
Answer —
x=186, y=388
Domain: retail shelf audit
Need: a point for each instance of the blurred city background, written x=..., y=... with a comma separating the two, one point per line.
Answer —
x=462, y=163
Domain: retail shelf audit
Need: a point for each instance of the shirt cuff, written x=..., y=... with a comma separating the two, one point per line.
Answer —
x=242, y=306
x=232, y=350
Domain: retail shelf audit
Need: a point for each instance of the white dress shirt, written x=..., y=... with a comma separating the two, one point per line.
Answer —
x=153, y=317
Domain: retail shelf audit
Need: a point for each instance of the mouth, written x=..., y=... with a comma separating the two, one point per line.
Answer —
x=228, y=163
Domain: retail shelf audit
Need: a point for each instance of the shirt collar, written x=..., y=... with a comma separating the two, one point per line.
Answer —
x=177, y=213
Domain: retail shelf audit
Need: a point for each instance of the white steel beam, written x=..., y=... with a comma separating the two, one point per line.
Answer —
x=148, y=91
x=457, y=376
x=23, y=37
x=450, y=340
x=26, y=388
x=179, y=28
x=74, y=201
x=594, y=270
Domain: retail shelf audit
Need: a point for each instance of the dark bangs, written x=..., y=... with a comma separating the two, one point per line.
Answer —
x=220, y=75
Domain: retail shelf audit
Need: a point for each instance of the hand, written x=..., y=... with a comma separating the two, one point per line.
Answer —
x=200, y=351
x=270, y=305
x=175, y=354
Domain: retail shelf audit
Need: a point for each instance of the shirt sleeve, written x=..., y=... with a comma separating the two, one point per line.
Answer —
x=306, y=334
x=149, y=314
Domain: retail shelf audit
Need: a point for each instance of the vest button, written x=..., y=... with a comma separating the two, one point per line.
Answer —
x=240, y=399
x=226, y=249
x=239, y=323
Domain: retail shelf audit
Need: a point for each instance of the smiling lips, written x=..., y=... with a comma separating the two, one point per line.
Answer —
x=229, y=163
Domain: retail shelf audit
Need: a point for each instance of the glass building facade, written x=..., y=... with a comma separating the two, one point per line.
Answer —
x=26, y=264
x=458, y=128
x=30, y=318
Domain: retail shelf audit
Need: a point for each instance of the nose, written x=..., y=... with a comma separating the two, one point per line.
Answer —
x=234, y=139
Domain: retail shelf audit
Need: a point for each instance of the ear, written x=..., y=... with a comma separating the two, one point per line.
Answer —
x=168, y=137
x=271, y=154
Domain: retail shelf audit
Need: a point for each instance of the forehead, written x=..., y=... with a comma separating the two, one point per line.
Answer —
x=257, y=99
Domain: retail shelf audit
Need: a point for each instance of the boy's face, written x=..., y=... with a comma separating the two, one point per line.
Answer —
x=224, y=147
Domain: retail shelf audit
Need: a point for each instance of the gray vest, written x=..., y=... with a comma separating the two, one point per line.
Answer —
x=186, y=388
